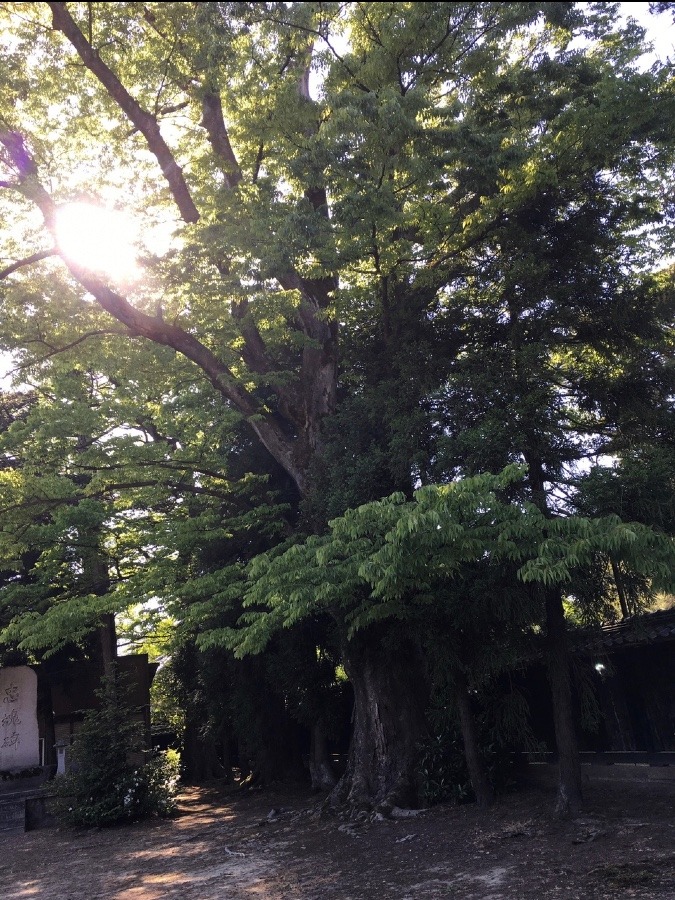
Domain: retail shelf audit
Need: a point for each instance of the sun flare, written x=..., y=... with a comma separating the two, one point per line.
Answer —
x=98, y=239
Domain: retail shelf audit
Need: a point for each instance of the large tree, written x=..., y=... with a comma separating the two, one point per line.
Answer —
x=342, y=178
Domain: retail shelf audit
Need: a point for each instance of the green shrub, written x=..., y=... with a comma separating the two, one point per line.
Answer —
x=443, y=772
x=112, y=778
x=156, y=785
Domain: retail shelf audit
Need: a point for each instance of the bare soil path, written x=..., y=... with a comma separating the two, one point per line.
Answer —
x=275, y=845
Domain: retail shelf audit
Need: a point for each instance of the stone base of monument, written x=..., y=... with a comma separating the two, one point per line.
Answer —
x=26, y=811
x=24, y=800
x=13, y=814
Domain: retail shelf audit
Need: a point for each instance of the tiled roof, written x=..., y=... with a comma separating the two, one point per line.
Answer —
x=649, y=628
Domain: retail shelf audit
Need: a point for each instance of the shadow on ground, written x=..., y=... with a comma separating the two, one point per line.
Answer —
x=276, y=845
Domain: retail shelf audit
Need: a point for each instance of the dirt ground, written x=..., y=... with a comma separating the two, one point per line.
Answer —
x=276, y=844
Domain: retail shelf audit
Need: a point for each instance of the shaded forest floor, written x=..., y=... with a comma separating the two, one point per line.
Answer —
x=274, y=844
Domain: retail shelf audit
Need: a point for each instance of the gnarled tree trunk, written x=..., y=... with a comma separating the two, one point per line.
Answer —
x=388, y=677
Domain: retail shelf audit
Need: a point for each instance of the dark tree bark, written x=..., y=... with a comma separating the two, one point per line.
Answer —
x=390, y=693
x=569, y=797
x=467, y=721
x=96, y=579
x=618, y=581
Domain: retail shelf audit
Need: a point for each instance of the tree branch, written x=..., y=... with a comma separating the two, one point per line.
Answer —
x=323, y=34
x=214, y=123
x=175, y=486
x=218, y=373
x=147, y=124
x=254, y=351
x=54, y=351
x=140, y=324
x=163, y=111
x=256, y=356
x=187, y=467
x=28, y=261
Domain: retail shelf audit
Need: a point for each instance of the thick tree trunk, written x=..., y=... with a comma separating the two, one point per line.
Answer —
x=569, y=799
x=390, y=692
x=96, y=578
x=107, y=636
x=479, y=779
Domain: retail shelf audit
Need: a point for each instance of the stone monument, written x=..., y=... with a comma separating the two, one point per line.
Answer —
x=19, y=737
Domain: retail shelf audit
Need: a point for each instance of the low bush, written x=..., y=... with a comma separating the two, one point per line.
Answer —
x=111, y=778
x=443, y=772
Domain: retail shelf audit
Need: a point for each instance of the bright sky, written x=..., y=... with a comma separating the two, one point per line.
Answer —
x=660, y=28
